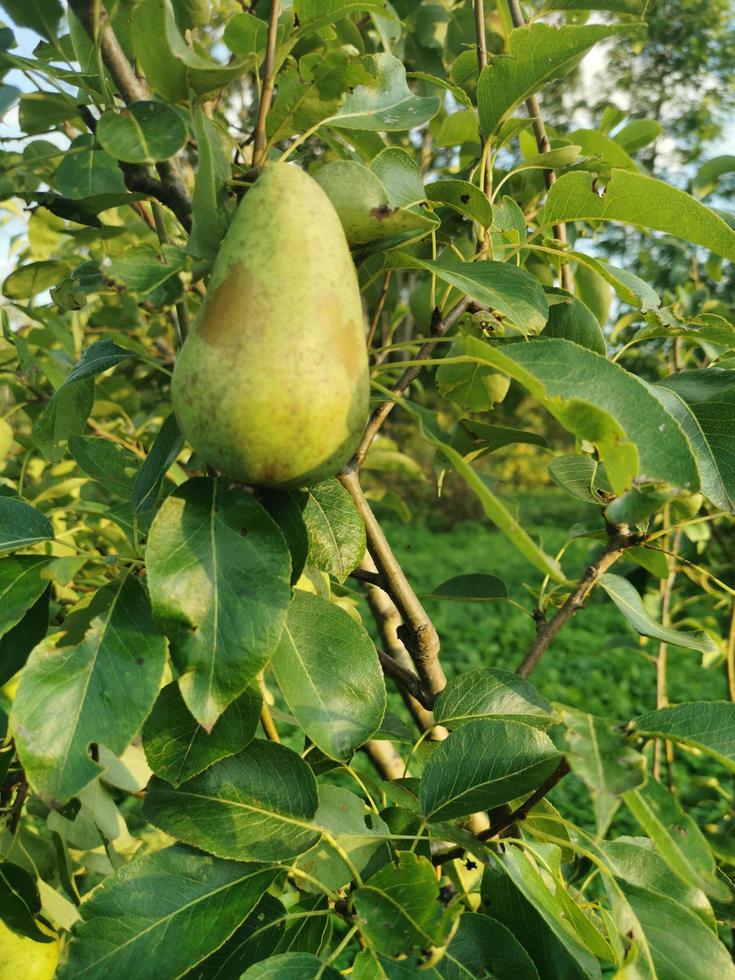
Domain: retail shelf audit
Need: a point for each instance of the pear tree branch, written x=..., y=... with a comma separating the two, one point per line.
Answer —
x=542, y=143
x=620, y=537
x=170, y=189
x=512, y=816
x=260, y=143
x=419, y=636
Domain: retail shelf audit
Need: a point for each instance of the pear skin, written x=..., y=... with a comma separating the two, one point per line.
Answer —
x=271, y=386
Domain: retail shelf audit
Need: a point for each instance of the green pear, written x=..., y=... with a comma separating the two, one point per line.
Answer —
x=271, y=386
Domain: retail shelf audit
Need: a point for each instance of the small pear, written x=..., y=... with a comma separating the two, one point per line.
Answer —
x=271, y=386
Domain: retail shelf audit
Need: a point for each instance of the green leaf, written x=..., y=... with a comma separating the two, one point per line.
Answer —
x=94, y=681
x=286, y=509
x=359, y=831
x=492, y=506
x=708, y=176
x=212, y=206
x=536, y=55
x=581, y=476
x=255, y=939
x=676, y=836
x=638, y=133
x=574, y=321
x=106, y=462
x=586, y=392
x=291, y=966
x=603, y=758
x=161, y=457
x=463, y=197
x=630, y=604
x=709, y=395
x=495, y=437
x=644, y=202
x=705, y=725
x=603, y=151
x=21, y=583
x=490, y=692
x=398, y=908
x=475, y=587
x=482, y=946
x=41, y=16
x=601, y=755
x=500, y=286
x=328, y=671
x=257, y=805
x=34, y=278
x=245, y=35
x=174, y=899
x=218, y=573
x=177, y=748
x=18, y=642
x=172, y=68
x=21, y=525
x=84, y=172
x=515, y=893
x=399, y=173
x=680, y=945
x=313, y=15
x=483, y=764
x=634, y=7
x=142, y=269
x=474, y=387
x=20, y=902
x=336, y=531
x=634, y=860
x=65, y=415
x=362, y=203
x=384, y=103
x=144, y=132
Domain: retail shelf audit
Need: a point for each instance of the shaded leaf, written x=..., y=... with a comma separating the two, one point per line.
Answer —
x=94, y=681
x=706, y=725
x=218, y=573
x=177, y=748
x=398, y=909
x=484, y=946
x=22, y=525
x=328, y=671
x=143, y=132
x=336, y=531
x=475, y=587
x=490, y=692
x=174, y=900
x=257, y=805
x=483, y=764
x=161, y=457
x=630, y=604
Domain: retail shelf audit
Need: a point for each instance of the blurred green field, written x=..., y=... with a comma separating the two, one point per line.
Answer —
x=596, y=663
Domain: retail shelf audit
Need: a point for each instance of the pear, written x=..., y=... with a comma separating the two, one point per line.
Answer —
x=271, y=386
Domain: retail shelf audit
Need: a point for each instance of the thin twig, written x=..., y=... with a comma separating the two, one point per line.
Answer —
x=542, y=143
x=663, y=747
x=266, y=92
x=440, y=326
x=378, y=309
x=170, y=190
x=406, y=679
x=480, y=33
x=620, y=538
x=419, y=634
x=515, y=816
x=370, y=578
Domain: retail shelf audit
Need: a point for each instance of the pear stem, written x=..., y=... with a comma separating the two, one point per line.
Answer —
x=266, y=91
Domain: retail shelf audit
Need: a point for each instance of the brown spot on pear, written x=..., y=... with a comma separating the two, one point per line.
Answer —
x=271, y=386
